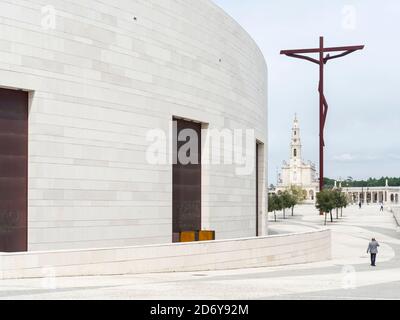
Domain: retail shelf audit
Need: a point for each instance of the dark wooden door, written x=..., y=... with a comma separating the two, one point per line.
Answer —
x=186, y=180
x=13, y=170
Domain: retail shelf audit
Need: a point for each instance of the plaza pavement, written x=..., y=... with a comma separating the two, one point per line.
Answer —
x=347, y=276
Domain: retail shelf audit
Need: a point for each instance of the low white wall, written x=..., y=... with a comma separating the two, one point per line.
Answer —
x=199, y=256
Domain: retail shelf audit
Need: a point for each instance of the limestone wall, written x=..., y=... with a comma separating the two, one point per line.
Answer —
x=100, y=78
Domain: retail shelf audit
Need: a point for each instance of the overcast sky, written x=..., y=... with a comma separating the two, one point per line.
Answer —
x=362, y=89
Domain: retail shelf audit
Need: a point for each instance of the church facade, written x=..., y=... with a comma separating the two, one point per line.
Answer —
x=296, y=172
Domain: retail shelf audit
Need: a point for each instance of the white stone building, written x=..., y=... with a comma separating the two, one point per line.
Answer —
x=87, y=80
x=389, y=195
x=296, y=172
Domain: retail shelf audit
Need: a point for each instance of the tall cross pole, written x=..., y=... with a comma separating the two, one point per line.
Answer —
x=323, y=105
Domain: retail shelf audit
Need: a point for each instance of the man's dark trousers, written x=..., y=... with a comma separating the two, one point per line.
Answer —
x=373, y=258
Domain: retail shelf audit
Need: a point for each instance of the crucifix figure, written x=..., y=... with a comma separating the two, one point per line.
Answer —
x=323, y=105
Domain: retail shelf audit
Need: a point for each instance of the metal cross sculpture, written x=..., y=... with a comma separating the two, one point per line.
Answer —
x=323, y=105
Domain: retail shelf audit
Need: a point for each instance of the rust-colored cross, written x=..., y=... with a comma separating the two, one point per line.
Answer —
x=323, y=105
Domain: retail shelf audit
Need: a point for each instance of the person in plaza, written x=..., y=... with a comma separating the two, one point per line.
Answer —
x=373, y=250
x=359, y=204
x=381, y=206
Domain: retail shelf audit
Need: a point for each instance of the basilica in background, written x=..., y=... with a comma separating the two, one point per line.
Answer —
x=297, y=172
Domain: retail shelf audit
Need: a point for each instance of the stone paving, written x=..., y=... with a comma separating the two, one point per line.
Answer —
x=347, y=276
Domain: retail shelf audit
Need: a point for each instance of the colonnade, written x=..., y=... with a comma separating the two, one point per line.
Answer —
x=373, y=196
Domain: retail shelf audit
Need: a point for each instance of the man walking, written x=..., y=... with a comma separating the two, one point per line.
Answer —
x=373, y=250
x=381, y=206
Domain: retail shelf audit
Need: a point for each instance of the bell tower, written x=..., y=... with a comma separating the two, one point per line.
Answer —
x=295, y=145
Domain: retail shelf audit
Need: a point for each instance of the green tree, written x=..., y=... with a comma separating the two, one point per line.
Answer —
x=286, y=201
x=274, y=204
x=278, y=202
x=329, y=183
x=370, y=182
x=297, y=196
x=337, y=200
x=344, y=202
x=292, y=202
x=325, y=202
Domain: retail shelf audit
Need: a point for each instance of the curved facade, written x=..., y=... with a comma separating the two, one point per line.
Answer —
x=100, y=76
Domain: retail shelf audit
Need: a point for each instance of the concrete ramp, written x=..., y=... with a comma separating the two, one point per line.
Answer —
x=196, y=256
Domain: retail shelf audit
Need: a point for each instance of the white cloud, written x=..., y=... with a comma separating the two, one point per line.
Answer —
x=372, y=158
x=344, y=157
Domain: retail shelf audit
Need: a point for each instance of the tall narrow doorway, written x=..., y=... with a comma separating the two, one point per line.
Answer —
x=186, y=178
x=13, y=170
